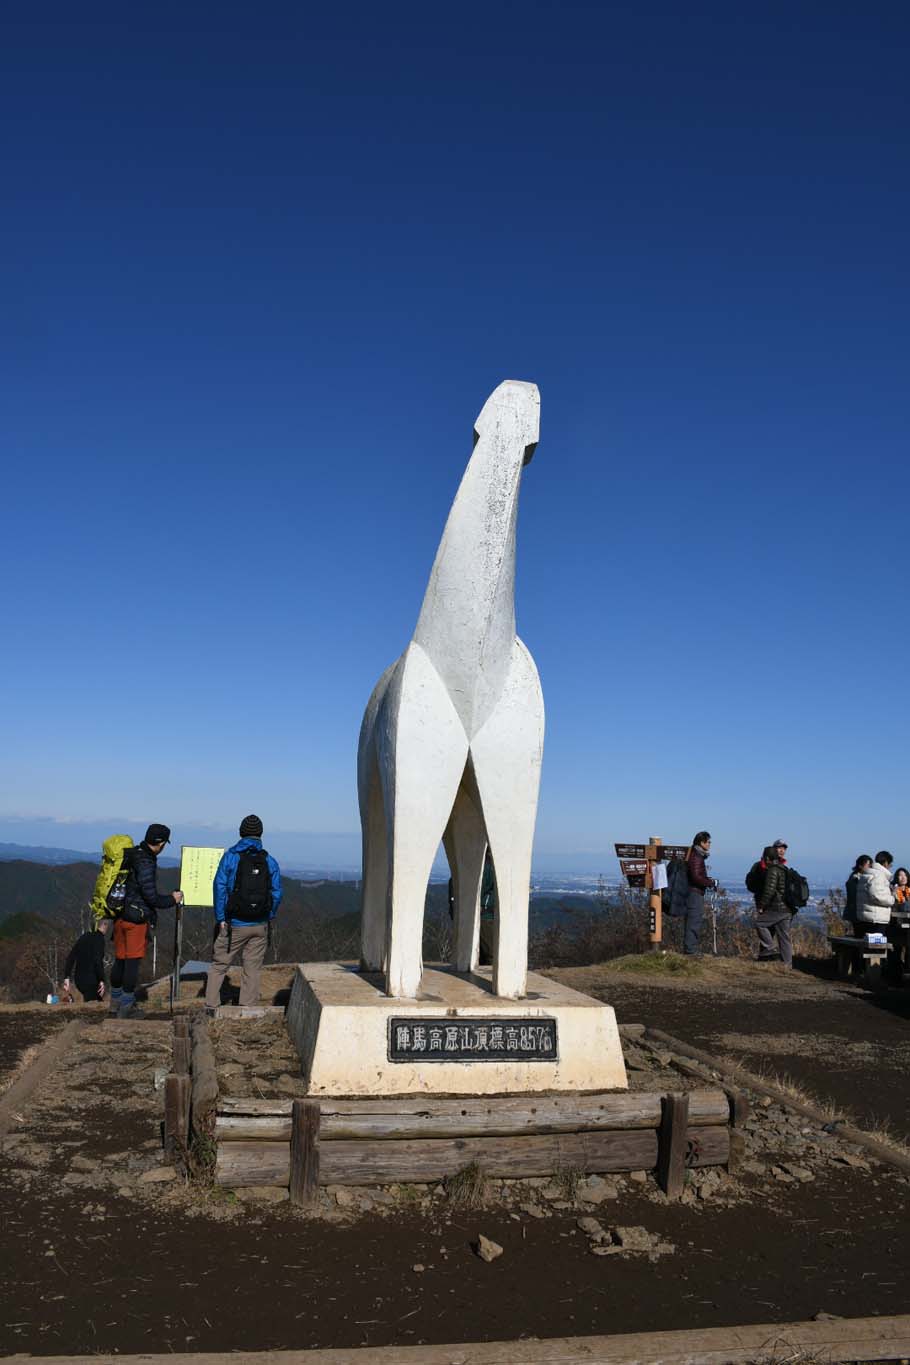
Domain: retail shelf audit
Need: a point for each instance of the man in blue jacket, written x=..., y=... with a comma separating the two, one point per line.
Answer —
x=247, y=891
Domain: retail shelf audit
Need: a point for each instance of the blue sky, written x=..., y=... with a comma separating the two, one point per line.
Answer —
x=260, y=268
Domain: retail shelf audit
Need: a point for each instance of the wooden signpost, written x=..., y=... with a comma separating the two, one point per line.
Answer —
x=637, y=863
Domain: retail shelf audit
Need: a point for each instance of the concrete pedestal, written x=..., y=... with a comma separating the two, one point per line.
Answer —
x=454, y=1038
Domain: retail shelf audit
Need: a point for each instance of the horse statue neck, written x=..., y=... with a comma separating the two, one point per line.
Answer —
x=467, y=621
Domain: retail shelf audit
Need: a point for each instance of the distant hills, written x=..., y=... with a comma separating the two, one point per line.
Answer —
x=57, y=892
x=37, y=854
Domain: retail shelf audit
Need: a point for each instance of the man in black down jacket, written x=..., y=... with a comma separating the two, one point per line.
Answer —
x=772, y=911
x=140, y=910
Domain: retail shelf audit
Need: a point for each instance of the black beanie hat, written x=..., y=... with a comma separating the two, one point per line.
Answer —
x=157, y=834
x=251, y=827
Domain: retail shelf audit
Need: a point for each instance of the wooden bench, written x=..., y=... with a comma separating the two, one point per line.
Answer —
x=858, y=956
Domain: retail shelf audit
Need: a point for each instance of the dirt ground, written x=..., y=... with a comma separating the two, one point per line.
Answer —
x=104, y=1248
x=839, y=1041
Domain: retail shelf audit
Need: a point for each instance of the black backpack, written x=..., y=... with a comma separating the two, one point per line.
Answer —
x=755, y=879
x=676, y=892
x=796, y=890
x=251, y=898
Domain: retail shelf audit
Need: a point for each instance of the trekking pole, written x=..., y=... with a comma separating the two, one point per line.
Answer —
x=714, y=921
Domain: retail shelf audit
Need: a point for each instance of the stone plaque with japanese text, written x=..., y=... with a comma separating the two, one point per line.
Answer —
x=412, y=1039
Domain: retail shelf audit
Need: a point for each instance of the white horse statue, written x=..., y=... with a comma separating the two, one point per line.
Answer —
x=452, y=737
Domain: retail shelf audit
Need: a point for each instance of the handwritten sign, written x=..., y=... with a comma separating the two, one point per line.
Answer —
x=197, y=872
x=472, y=1040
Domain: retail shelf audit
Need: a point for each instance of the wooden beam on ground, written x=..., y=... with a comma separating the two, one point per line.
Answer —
x=891, y=1156
x=176, y=1113
x=12, y=1100
x=837, y=1342
x=394, y=1162
x=304, y=1152
x=671, y=1145
x=410, y=1119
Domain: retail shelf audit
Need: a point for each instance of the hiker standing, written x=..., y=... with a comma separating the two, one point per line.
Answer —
x=897, y=936
x=489, y=902
x=874, y=897
x=851, y=886
x=772, y=914
x=142, y=901
x=247, y=891
x=85, y=963
x=699, y=883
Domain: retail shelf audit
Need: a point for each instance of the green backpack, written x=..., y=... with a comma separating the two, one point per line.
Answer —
x=112, y=852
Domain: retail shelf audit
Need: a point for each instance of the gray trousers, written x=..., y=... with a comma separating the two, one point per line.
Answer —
x=767, y=933
x=695, y=915
x=250, y=942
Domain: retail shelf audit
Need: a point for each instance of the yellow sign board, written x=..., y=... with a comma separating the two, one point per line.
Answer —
x=197, y=872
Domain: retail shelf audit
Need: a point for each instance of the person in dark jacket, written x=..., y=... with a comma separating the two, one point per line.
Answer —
x=242, y=930
x=85, y=964
x=699, y=883
x=773, y=915
x=141, y=904
x=850, y=887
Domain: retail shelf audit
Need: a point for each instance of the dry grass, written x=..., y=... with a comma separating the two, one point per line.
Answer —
x=730, y=1068
x=657, y=964
x=467, y=1188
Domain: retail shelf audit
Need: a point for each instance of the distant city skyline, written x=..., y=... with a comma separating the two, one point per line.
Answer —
x=260, y=271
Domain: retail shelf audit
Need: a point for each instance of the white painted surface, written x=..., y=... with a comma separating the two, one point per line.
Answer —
x=452, y=737
x=338, y=1020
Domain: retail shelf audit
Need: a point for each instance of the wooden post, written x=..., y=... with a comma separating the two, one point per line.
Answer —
x=182, y=1027
x=737, y=1150
x=671, y=1145
x=178, y=950
x=176, y=1112
x=304, y=1179
x=739, y=1105
x=652, y=853
x=182, y=1056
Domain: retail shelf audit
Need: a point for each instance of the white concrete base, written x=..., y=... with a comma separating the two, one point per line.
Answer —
x=339, y=1018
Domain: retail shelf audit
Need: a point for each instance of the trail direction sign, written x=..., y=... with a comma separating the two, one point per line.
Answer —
x=637, y=864
x=630, y=850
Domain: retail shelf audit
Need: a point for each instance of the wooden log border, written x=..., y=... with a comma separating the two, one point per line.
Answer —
x=411, y=1119
x=190, y=1089
x=838, y=1342
x=394, y=1161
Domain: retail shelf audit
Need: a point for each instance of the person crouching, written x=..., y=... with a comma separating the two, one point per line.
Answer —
x=85, y=963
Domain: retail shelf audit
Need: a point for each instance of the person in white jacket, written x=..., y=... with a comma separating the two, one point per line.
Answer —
x=874, y=897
